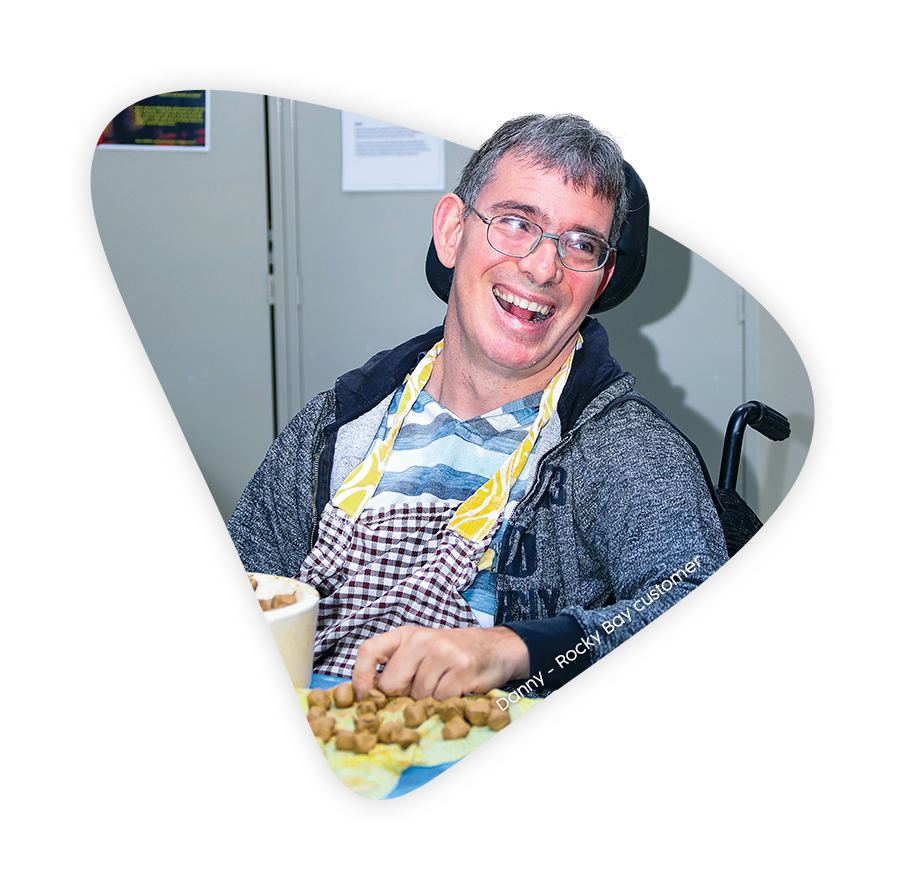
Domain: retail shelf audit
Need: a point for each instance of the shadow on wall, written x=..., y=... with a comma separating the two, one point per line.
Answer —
x=666, y=282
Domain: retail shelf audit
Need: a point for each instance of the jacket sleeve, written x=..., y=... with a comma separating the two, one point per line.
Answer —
x=639, y=533
x=272, y=524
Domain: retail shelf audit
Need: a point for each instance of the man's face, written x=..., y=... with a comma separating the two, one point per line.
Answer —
x=498, y=337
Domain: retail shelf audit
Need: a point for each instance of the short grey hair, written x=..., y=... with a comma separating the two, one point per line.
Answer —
x=588, y=158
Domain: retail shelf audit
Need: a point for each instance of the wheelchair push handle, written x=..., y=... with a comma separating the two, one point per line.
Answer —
x=765, y=420
x=769, y=422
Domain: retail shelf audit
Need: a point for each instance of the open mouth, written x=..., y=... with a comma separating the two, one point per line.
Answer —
x=522, y=308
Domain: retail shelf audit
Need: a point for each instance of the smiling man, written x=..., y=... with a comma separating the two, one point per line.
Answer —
x=512, y=321
x=489, y=503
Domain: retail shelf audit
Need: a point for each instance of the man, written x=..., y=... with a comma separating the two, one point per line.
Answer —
x=476, y=506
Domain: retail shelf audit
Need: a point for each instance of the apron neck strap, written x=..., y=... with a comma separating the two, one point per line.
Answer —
x=478, y=515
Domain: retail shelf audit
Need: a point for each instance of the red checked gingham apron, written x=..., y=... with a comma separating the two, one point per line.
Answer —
x=405, y=564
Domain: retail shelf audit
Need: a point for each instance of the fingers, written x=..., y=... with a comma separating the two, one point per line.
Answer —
x=422, y=662
x=374, y=651
x=430, y=661
x=404, y=652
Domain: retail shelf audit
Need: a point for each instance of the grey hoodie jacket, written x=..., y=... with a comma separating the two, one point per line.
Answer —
x=618, y=522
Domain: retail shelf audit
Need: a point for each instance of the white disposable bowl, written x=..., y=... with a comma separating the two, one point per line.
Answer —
x=293, y=626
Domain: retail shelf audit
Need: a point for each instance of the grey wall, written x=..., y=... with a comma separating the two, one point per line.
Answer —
x=186, y=238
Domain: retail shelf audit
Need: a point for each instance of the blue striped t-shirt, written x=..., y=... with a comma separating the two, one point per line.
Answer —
x=438, y=457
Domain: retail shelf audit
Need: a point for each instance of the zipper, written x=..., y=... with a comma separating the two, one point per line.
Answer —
x=315, y=473
x=534, y=495
x=531, y=494
x=315, y=519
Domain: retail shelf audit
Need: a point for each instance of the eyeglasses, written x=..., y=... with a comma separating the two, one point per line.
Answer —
x=518, y=237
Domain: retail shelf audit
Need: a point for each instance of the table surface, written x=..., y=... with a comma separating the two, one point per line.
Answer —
x=413, y=777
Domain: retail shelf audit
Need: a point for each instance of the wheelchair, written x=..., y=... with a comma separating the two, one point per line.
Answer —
x=738, y=520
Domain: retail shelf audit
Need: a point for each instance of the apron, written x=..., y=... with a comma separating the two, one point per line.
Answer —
x=405, y=564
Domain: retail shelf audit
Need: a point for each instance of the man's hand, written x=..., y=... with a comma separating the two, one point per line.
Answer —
x=422, y=662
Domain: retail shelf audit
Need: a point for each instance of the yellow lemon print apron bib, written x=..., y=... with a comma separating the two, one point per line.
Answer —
x=406, y=564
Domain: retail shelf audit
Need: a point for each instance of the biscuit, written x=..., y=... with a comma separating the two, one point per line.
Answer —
x=320, y=698
x=367, y=723
x=456, y=728
x=476, y=711
x=343, y=697
x=414, y=715
x=323, y=727
x=498, y=719
x=363, y=742
x=345, y=739
x=405, y=737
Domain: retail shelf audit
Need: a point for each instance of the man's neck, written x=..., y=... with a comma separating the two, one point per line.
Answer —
x=467, y=394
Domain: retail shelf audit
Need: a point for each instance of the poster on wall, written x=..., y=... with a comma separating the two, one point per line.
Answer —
x=173, y=120
x=379, y=156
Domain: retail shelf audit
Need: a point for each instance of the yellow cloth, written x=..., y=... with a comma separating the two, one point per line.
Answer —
x=374, y=774
x=481, y=512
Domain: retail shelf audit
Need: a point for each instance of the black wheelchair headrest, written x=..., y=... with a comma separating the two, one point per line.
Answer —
x=631, y=256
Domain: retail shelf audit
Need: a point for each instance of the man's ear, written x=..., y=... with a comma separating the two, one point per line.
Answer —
x=607, y=276
x=447, y=228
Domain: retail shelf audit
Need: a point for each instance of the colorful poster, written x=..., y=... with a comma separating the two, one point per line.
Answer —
x=174, y=120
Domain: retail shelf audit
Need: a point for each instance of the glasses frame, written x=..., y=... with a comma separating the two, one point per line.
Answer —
x=610, y=250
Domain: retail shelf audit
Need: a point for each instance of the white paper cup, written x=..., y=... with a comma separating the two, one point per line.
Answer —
x=293, y=626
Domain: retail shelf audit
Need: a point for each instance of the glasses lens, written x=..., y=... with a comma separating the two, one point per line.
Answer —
x=514, y=236
x=582, y=251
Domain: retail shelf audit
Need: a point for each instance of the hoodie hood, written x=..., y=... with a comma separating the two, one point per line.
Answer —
x=593, y=371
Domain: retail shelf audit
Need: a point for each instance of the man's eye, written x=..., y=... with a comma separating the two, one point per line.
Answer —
x=582, y=243
x=515, y=225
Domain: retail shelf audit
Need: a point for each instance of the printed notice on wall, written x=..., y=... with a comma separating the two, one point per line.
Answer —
x=175, y=120
x=379, y=156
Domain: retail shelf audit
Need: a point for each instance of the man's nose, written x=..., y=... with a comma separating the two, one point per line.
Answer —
x=543, y=263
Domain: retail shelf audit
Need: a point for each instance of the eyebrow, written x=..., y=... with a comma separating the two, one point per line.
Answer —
x=541, y=217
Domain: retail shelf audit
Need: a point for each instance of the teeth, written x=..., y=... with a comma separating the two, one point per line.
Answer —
x=543, y=310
